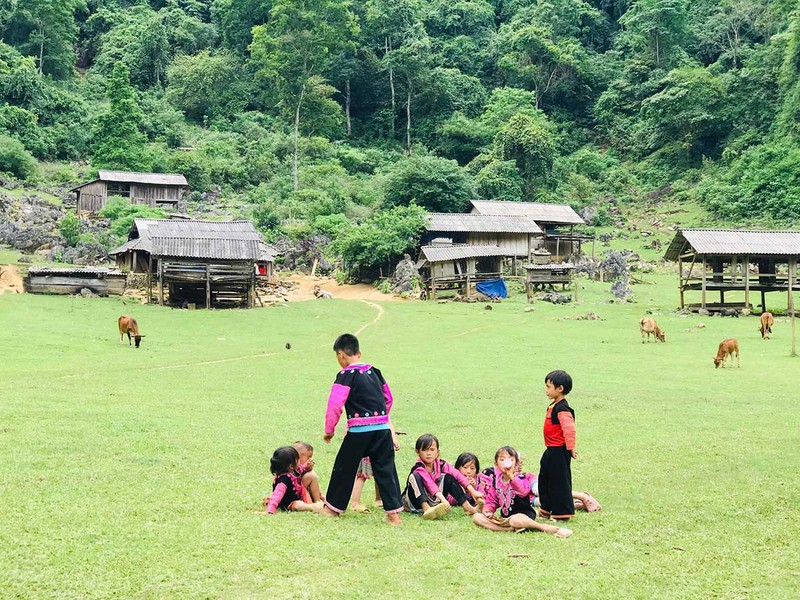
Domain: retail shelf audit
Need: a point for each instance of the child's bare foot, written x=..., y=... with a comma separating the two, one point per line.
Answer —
x=359, y=508
x=469, y=510
x=317, y=507
x=434, y=512
x=394, y=519
x=328, y=512
x=563, y=532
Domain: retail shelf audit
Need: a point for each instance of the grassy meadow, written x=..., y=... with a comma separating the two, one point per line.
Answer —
x=137, y=473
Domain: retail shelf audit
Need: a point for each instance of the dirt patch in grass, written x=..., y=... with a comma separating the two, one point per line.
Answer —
x=10, y=280
x=360, y=291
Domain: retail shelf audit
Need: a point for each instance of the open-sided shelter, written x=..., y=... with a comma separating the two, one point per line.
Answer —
x=164, y=190
x=556, y=221
x=724, y=261
x=211, y=263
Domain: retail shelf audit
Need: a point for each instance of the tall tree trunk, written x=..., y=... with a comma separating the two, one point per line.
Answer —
x=41, y=48
x=408, y=118
x=295, y=175
x=347, y=107
x=387, y=49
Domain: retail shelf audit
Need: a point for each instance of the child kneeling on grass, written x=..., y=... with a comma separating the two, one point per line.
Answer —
x=287, y=484
x=510, y=491
x=432, y=479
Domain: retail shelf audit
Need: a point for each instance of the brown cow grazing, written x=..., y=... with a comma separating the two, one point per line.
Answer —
x=648, y=326
x=129, y=326
x=727, y=348
x=767, y=321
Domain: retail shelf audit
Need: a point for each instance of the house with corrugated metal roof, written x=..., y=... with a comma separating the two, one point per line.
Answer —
x=515, y=236
x=157, y=190
x=737, y=263
x=556, y=221
x=447, y=266
x=207, y=263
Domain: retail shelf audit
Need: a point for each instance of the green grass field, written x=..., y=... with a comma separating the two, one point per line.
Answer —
x=137, y=473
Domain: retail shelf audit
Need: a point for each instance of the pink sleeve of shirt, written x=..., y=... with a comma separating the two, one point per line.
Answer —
x=428, y=480
x=521, y=486
x=568, y=428
x=456, y=474
x=387, y=393
x=490, y=499
x=336, y=402
x=276, y=497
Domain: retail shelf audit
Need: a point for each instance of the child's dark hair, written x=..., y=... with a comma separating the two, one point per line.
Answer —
x=508, y=450
x=558, y=378
x=304, y=445
x=468, y=457
x=425, y=441
x=347, y=343
x=283, y=459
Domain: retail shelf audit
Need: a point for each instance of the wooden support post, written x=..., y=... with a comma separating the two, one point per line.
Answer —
x=575, y=279
x=251, y=297
x=160, y=282
x=558, y=251
x=530, y=247
x=763, y=301
x=703, y=299
x=792, y=279
x=680, y=278
x=529, y=290
x=433, y=285
x=722, y=296
x=746, y=267
x=514, y=266
x=149, y=278
x=208, y=286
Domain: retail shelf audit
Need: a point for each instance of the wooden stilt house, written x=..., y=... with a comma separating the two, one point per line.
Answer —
x=206, y=263
x=458, y=266
x=556, y=221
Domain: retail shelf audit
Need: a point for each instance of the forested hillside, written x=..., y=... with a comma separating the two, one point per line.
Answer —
x=314, y=115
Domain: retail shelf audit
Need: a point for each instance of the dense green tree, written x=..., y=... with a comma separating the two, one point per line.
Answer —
x=293, y=51
x=119, y=142
x=380, y=239
x=657, y=27
x=206, y=85
x=14, y=159
x=530, y=144
x=45, y=29
x=431, y=182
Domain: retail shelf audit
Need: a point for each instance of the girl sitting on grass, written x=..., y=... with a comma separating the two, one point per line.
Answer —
x=510, y=491
x=432, y=479
x=470, y=467
x=287, y=483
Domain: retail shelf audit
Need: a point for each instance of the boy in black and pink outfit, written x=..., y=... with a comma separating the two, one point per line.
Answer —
x=555, y=475
x=362, y=392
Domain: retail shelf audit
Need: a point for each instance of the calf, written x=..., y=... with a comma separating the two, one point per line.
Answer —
x=129, y=326
x=648, y=325
x=727, y=348
x=767, y=321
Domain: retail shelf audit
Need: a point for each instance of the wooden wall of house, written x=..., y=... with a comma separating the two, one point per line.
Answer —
x=152, y=195
x=560, y=250
x=92, y=196
x=512, y=244
x=110, y=284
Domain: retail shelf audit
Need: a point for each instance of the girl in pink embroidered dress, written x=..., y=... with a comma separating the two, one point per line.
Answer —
x=509, y=491
x=287, y=483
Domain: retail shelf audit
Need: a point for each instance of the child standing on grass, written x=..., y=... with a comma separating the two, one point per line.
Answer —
x=509, y=491
x=363, y=394
x=364, y=474
x=432, y=479
x=555, y=475
x=287, y=485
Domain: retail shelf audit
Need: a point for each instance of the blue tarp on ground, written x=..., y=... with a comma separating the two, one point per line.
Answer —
x=494, y=288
